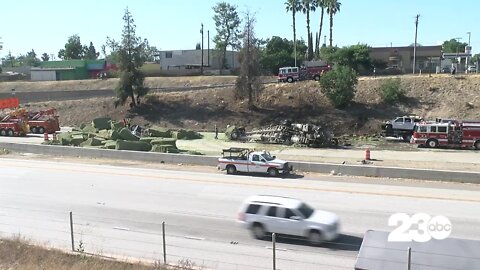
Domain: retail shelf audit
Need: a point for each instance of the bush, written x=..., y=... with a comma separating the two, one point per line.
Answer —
x=339, y=85
x=391, y=91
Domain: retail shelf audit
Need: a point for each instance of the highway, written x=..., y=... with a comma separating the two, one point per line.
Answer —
x=118, y=211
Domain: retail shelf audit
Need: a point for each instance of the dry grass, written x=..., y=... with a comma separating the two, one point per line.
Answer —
x=19, y=254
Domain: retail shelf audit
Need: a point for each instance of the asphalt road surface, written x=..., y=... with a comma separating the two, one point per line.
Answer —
x=118, y=211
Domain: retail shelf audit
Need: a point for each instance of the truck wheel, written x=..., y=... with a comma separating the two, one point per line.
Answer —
x=3, y=132
x=477, y=145
x=231, y=169
x=258, y=231
x=290, y=79
x=315, y=237
x=316, y=77
x=432, y=143
x=10, y=132
x=34, y=130
x=272, y=172
x=41, y=130
x=407, y=137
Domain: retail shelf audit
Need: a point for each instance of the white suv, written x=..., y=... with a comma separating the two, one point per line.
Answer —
x=283, y=215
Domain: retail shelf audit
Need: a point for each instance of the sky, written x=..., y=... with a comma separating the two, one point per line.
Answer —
x=175, y=25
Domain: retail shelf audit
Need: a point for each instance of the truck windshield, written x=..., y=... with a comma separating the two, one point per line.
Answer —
x=306, y=210
x=267, y=157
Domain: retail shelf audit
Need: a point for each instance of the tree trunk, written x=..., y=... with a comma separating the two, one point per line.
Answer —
x=134, y=103
x=309, y=41
x=294, y=38
x=321, y=26
x=331, y=28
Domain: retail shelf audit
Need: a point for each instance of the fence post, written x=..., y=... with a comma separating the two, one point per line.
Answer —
x=409, y=258
x=71, y=231
x=164, y=245
x=274, y=236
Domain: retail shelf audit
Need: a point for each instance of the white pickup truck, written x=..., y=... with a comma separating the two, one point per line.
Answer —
x=235, y=160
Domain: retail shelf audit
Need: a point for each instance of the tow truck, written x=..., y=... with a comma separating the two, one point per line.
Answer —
x=235, y=160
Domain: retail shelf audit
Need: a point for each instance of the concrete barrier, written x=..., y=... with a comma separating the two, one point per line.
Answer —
x=353, y=170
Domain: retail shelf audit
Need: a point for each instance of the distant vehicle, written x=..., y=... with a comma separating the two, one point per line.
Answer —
x=464, y=134
x=446, y=70
x=471, y=69
x=393, y=70
x=402, y=126
x=310, y=71
x=264, y=214
x=245, y=160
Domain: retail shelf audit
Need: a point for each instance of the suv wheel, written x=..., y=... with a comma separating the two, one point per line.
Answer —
x=315, y=237
x=258, y=231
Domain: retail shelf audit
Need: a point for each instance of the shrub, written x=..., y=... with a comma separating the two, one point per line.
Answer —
x=339, y=85
x=391, y=91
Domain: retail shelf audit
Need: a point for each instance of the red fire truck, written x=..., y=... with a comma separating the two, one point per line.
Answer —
x=309, y=71
x=453, y=134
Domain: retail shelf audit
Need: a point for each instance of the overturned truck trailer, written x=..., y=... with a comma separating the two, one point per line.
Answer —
x=286, y=133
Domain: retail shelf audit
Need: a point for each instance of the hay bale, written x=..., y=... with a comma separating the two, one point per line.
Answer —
x=92, y=142
x=147, y=139
x=132, y=145
x=110, y=144
x=104, y=133
x=126, y=135
x=114, y=135
x=116, y=125
x=164, y=141
x=65, y=138
x=77, y=140
x=89, y=128
x=183, y=134
x=159, y=132
x=164, y=148
x=102, y=123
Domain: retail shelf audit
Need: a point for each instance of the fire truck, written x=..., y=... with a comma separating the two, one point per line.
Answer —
x=309, y=71
x=45, y=121
x=454, y=134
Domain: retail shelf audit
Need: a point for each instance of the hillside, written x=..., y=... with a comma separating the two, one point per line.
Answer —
x=429, y=96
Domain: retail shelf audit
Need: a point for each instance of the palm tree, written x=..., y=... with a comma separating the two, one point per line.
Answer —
x=321, y=4
x=333, y=6
x=294, y=6
x=307, y=6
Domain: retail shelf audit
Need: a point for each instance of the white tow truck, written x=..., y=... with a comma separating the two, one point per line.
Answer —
x=235, y=160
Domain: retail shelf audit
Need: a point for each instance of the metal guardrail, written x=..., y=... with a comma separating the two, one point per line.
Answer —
x=343, y=169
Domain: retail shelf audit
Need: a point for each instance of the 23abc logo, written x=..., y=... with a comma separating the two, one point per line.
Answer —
x=419, y=227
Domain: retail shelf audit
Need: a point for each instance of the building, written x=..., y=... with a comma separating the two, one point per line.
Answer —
x=192, y=60
x=428, y=58
x=69, y=70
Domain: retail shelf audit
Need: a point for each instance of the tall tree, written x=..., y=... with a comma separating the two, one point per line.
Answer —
x=73, y=49
x=45, y=57
x=307, y=6
x=131, y=59
x=9, y=60
x=320, y=4
x=294, y=6
x=227, y=24
x=333, y=7
x=248, y=83
x=31, y=59
x=453, y=46
x=91, y=53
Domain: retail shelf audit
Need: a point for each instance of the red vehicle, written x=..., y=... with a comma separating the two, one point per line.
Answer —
x=310, y=71
x=450, y=134
x=44, y=121
x=13, y=125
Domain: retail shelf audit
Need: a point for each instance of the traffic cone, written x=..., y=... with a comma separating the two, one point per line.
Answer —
x=367, y=154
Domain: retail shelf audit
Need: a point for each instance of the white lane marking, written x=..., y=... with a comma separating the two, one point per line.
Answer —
x=121, y=228
x=194, y=238
x=281, y=249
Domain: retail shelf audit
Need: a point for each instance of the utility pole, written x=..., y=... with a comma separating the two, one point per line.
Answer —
x=469, y=34
x=415, y=44
x=201, y=31
x=208, y=48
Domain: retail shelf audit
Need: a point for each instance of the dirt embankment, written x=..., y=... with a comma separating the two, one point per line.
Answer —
x=429, y=96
